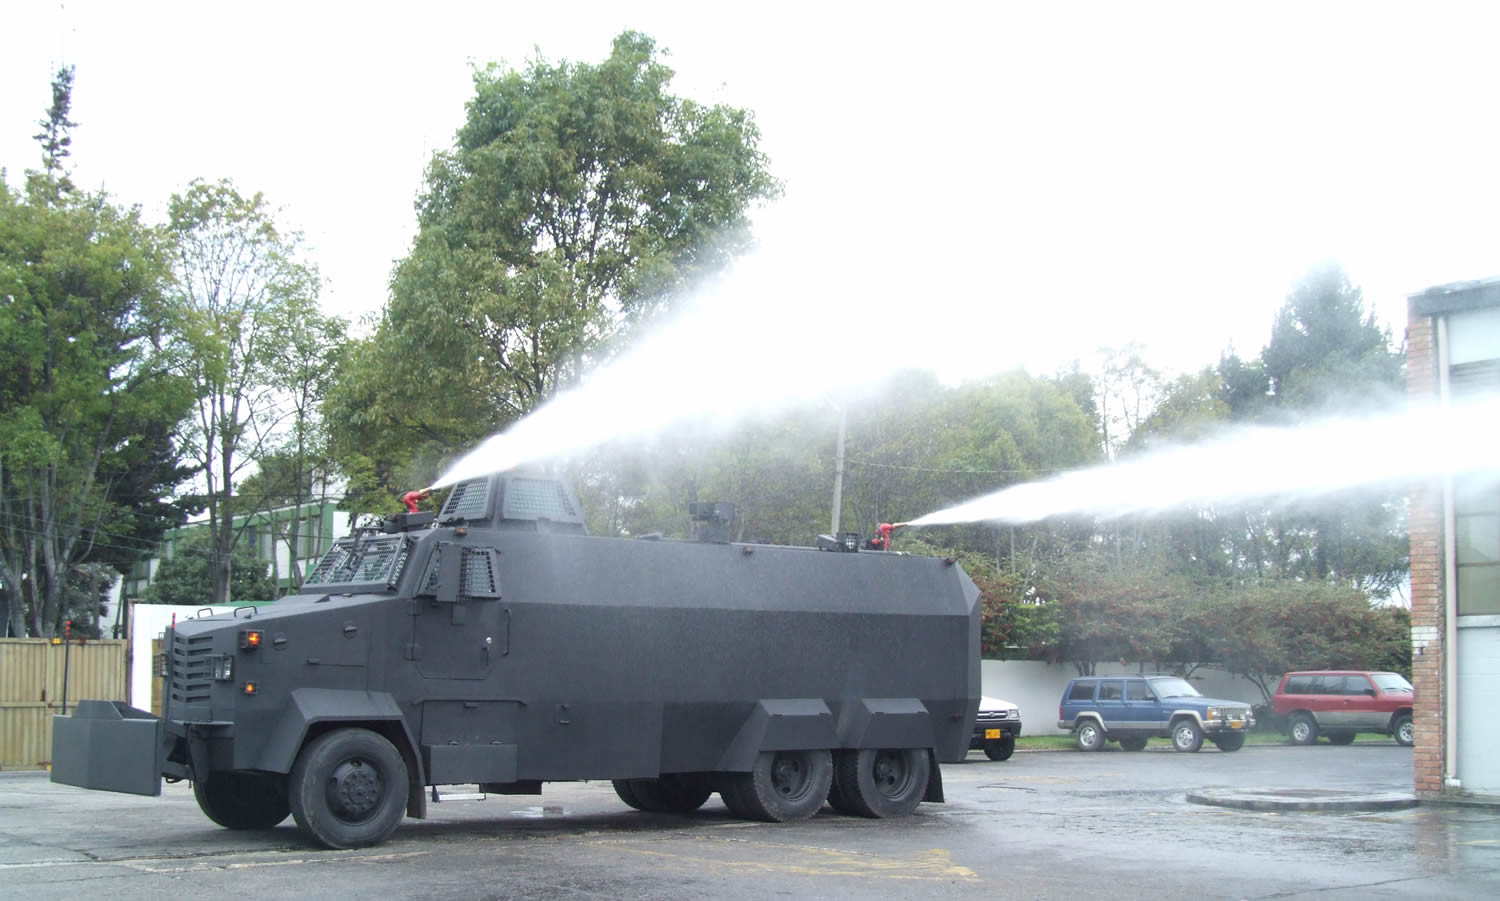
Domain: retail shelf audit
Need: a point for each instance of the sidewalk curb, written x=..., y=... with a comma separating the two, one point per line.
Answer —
x=1302, y=799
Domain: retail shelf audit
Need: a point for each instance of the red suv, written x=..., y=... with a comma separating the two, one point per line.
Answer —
x=1339, y=703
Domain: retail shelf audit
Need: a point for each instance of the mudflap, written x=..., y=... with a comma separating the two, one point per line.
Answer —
x=934, y=781
x=108, y=746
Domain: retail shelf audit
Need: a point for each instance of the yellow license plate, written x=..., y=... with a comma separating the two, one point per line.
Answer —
x=993, y=733
x=1236, y=724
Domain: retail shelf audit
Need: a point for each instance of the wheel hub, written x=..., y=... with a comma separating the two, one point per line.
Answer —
x=788, y=775
x=354, y=790
x=889, y=773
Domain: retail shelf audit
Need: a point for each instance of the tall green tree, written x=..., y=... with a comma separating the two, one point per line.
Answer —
x=577, y=202
x=243, y=288
x=88, y=400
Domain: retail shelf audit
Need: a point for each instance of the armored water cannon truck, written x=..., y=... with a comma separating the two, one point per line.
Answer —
x=499, y=644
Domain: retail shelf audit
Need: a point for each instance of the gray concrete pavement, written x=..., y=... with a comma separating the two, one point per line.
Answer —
x=1041, y=825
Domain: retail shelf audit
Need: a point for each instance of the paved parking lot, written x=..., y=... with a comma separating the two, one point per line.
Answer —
x=1041, y=825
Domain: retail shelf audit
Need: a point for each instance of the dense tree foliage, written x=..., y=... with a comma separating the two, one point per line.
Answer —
x=88, y=398
x=576, y=203
x=187, y=577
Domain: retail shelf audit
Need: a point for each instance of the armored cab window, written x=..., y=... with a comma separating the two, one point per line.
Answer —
x=371, y=560
x=476, y=570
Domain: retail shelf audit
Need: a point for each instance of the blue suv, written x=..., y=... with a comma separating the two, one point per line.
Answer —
x=1132, y=709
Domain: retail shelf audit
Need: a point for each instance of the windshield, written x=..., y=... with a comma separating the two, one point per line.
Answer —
x=1173, y=687
x=376, y=560
x=1390, y=682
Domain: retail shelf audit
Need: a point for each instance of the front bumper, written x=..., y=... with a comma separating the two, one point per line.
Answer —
x=994, y=731
x=1229, y=725
x=108, y=746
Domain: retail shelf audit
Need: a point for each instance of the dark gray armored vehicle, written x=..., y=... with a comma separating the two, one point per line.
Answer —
x=504, y=646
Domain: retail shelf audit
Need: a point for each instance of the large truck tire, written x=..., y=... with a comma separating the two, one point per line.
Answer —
x=782, y=786
x=672, y=793
x=881, y=783
x=348, y=789
x=243, y=800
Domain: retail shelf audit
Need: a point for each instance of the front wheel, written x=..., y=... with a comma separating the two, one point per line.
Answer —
x=1187, y=736
x=1000, y=748
x=1232, y=742
x=348, y=788
x=243, y=800
x=1089, y=736
x=1303, y=730
x=1405, y=732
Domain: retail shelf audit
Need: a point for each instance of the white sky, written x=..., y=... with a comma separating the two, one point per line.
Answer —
x=1037, y=179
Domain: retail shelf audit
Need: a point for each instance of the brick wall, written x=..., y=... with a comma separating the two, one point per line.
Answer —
x=1426, y=579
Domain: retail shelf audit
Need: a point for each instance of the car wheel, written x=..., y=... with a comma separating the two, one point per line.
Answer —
x=1341, y=738
x=783, y=785
x=1000, y=749
x=1187, y=736
x=1133, y=744
x=881, y=783
x=348, y=789
x=1232, y=742
x=1303, y=729
x=1089, y=736
x=1405, y=732
x=243, y=800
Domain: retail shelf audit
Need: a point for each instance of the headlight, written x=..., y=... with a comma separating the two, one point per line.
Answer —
x=1212, y=714
x=223, y=667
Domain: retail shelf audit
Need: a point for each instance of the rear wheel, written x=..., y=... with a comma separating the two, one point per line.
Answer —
x=1187, y=735
x=1000, y=748
x=1303, y=729
x=1232, y=742
x=348, y=788
x=881, y=783
x=783, y=785
x=1405, y=732
x=1089, y=736
x=1133, y=744
x=243, y=800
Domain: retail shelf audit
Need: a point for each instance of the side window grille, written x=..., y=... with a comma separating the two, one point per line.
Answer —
x=480, y=579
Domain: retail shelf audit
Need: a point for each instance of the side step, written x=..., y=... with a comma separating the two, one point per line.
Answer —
x=456, y=796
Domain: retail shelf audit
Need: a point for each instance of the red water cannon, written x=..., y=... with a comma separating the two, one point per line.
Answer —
x=883, y=532
x=410, y=498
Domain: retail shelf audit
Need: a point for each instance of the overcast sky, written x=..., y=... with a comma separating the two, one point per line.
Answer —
x=1039, y=178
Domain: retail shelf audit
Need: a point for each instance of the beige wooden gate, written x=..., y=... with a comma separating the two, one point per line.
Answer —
x=31, y=689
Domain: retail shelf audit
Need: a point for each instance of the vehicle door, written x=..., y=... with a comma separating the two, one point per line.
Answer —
x=1149, y=714
x=1330, y=702
x=460, y=626
x=1365, y=710
x=1111, y=705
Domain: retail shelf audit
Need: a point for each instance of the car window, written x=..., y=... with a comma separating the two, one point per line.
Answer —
x=1112, y=690
x=1173, y=687
x=1326, y=685
x=1299, y=685
x=1136, y=691
x=1390, y=682
x=1356, y=685
x=1082, y=691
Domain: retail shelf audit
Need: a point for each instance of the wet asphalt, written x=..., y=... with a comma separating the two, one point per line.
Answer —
x=1041, y=825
